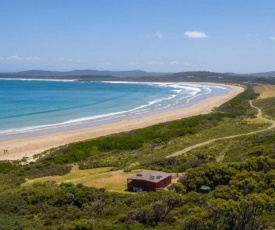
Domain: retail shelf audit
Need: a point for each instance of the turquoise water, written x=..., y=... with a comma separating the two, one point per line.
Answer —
x=35, y=104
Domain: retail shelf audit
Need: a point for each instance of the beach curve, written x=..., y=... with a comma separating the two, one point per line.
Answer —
x=28, y=147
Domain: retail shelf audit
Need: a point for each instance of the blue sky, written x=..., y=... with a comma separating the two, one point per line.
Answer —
x=151, y=35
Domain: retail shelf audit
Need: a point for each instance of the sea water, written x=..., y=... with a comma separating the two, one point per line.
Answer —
x=31, y=105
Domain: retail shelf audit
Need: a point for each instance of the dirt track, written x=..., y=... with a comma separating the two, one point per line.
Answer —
x=259, y=115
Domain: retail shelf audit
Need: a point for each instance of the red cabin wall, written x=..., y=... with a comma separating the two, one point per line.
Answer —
x=145, y=185
x=149, y=186
x=164, y=183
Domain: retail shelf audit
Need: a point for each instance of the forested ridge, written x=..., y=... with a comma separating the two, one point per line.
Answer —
x=240, y=172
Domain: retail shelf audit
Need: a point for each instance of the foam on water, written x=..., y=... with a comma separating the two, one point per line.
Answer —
x=37, y=79
x=89, y=102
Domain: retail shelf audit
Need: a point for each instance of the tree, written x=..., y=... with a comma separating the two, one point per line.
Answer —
x=223, y=213
x=251, y=209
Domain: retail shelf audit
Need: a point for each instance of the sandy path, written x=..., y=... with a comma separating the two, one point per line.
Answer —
x=27, y=147
x=259, y=115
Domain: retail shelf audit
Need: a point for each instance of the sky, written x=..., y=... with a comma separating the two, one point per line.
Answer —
x=152, y=35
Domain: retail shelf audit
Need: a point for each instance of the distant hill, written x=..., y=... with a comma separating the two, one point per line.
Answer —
x=264, y=74
x=206, y=76
x=142, y=76
x=189, y=76
x=80, y=73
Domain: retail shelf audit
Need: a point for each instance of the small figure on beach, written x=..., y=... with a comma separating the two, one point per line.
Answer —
x=5, y=151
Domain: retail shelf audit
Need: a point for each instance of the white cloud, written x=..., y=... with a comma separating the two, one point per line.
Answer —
x=272, y=38
x=195, y=34
x=19, y=58
x=14, y=58
x=179, y=63
x=32, y=58
x=175, y=63
x=158, y=35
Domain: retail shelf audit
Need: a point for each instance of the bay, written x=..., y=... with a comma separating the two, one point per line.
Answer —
x=35, y=104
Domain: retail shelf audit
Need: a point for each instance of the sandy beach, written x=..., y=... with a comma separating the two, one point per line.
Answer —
x=27, y=147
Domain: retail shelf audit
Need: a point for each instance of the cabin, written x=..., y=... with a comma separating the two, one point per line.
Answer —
x=149, y=181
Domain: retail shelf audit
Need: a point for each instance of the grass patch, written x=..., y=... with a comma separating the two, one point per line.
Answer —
x=265, y=91
x=99, y=178
x=267, y=106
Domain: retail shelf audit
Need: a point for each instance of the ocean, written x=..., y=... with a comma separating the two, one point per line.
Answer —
x=48, y=105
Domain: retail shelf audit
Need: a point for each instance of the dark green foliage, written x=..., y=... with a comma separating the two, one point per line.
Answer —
x=89, y=153
x=47, y=204
x=243, y=193
x=172, y=164
x=248, y=173
x=239, y=106
x=242, y=184
x=6, y=166
x=8, y=222
x=252, y=146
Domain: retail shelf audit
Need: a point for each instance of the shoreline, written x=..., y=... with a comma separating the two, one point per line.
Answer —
x=112, y=117
x=29, y=146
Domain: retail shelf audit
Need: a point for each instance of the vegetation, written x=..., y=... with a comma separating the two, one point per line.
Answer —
x=205, y=76
x=144, y=145
x=239, y=171
x=267, y=105
x=99, y=178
